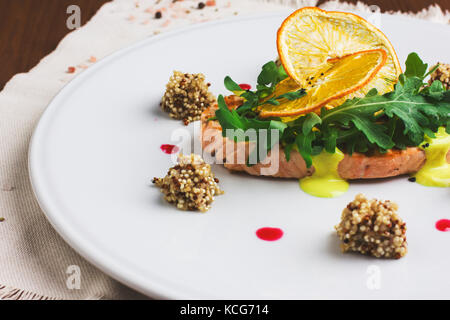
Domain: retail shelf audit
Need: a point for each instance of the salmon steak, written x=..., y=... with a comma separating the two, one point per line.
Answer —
x=233, y=155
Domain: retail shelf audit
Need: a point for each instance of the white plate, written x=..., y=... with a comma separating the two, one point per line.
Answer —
x=96, y=150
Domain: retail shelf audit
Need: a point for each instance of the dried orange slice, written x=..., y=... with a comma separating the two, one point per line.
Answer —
x=338, y=80
x=350, y=54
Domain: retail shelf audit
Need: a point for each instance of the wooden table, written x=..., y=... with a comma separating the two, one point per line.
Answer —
x=30, y=29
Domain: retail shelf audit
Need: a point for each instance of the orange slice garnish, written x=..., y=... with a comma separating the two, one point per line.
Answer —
x=334, y=56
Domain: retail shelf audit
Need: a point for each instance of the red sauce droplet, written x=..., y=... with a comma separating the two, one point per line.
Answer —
x=245, y=86
x=269, y=234
x=443, y=225
x=169, y=148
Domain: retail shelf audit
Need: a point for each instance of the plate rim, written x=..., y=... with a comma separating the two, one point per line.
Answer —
x=71, y=237
x=92, y=254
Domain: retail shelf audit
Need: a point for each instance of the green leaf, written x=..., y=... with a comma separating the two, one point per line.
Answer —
x=415, y=66
x=432, y=70
x=291, y=96
x=372, y=92
x=245, y=108
x=231, y=120
x=304, y=145
x=311, y=120
x=269, y=74
x=429, y=133
x=282, y=74
x=360, y=113
x=331, y=141
x=435, y=91
x=228, y=119
x=287, y=151
x=231, y=85
x=411, y=85
x=273, y=102
x=398, y=119
x=269, y=77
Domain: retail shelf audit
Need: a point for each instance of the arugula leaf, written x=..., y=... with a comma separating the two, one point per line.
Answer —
x=311, y=120
x=273, y=101
x=291, y=96
x=231, y=85
x=435, y=91
x=271, y=74
x=374, y=123
x=303, y=139
x=304, y=145
x=361, y=113
x=432, y=70
x=415, y=66
x=412, y=112
x=331, y=141
x=287, y=151
x=294, y=95
x=229, y=119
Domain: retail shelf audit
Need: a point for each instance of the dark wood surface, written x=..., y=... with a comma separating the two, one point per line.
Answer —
x=30, y=29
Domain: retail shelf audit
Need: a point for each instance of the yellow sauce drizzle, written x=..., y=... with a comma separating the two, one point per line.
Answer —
x=325, y=182
x=436, y=171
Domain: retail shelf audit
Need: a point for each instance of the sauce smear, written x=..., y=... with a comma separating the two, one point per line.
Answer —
x=436, y=171
x=245, y=86
x=443, y=225
x=325, y=182
x=169, y=148
x=269, y=234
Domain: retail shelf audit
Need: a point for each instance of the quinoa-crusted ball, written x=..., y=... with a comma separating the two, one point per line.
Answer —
x=442, y=74
x=190, y=185
x=372, y=227
x=187, y=96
